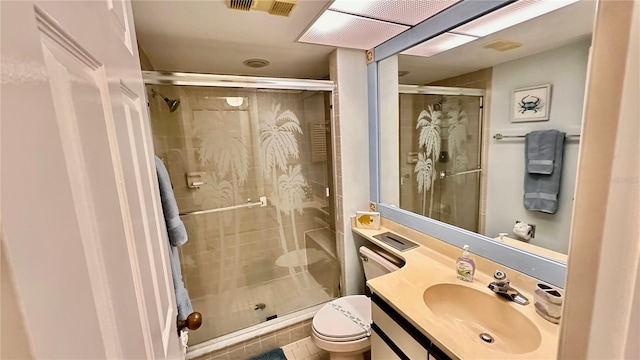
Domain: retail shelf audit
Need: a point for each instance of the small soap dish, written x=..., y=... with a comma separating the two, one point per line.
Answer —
x=548, y=303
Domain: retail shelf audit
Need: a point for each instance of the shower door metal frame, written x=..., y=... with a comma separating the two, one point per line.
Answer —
x=438, y=90
x=235, y=81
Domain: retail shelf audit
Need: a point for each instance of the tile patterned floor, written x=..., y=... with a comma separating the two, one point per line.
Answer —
x=304, y=349
x=235, y=309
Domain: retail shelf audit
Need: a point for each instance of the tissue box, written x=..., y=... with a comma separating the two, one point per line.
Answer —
x=368, y=220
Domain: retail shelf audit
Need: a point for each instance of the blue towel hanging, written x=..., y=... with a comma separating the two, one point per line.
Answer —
x=543, y=170
x=176, y=236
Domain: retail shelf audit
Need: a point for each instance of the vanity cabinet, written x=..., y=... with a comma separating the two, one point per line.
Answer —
x=380, y=349
x=394, y=337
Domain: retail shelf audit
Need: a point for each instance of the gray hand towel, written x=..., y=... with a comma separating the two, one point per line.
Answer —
x=177, y=236
x=175, y=228
x=541, y=190
x=541, y=151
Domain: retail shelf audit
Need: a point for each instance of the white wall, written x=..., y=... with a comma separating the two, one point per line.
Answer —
x=565, y=69
x=348, y=69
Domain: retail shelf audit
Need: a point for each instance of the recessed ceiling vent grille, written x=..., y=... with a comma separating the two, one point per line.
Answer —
x=502, y=45
x=282, y=7
x=240, y=4
x=273, y=7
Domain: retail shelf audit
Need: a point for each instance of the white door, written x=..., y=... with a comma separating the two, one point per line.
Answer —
x=80, y=212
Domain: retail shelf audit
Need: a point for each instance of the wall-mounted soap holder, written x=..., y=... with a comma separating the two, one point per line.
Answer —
x=412, y=157
x=195, y=179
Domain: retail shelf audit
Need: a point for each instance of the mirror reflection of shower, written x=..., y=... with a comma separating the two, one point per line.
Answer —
x=173, y=104
x=441, y=137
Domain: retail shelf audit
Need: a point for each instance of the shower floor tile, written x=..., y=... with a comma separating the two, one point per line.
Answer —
x=235, y=309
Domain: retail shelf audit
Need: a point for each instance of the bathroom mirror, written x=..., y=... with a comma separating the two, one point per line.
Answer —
x=468, y=186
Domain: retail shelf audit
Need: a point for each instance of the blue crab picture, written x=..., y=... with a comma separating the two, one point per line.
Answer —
x=530, y=103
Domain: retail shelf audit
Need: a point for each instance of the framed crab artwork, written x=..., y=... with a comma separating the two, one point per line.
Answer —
x=531, y=104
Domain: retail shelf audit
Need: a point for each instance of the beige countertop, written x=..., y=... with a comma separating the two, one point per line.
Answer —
x=433, y=262
x=533, y=248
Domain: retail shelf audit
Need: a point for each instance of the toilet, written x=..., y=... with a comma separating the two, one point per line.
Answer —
x=342, y=327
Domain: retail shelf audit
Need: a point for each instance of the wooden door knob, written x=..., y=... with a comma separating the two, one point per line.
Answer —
x=193, y=322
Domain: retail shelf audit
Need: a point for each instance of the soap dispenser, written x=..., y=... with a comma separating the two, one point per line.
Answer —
x=466, y=267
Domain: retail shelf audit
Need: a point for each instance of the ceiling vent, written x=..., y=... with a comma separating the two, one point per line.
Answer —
x=282, y=7
x=502, y=45
x=244, y=5
x=273, y=7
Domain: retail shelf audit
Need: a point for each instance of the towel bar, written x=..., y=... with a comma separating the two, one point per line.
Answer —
x=261, y=203
x=499, y=136
x=444, y=174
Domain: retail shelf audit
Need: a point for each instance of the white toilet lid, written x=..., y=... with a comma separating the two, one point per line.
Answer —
x=346, y=318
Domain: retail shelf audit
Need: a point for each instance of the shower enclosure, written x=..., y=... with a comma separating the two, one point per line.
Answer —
x=441, y=154
x=250, y=165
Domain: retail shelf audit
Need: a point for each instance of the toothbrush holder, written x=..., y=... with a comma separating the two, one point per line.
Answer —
x=548, y=303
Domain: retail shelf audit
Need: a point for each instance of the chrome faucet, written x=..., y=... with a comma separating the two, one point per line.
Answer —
x=502, y=287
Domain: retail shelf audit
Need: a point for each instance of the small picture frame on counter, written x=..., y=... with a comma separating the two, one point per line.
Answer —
x=368, y=220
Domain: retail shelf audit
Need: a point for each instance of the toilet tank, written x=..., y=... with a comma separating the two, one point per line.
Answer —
x=375, y=264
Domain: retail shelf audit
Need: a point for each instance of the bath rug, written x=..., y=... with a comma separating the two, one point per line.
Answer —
x=275, y=354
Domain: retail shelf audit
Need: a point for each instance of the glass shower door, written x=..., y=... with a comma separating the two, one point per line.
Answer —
x=250, y=174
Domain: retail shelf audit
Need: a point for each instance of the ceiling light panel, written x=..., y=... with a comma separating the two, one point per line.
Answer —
x=343, y=30
x=439, y=44
x=407, y=12
x=510, y=15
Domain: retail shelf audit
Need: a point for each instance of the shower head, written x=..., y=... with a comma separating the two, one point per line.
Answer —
x=173, y=104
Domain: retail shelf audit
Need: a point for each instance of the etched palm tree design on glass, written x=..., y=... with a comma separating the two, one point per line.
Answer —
x=429, y=149
x=221, y=144
x=291, y=187
x=424, y=169
x=218, y=193
x=458, y=122
x=278, y=144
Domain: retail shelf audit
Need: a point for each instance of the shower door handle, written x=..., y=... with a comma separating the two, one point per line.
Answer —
x=193, y=322
x=444, y=174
